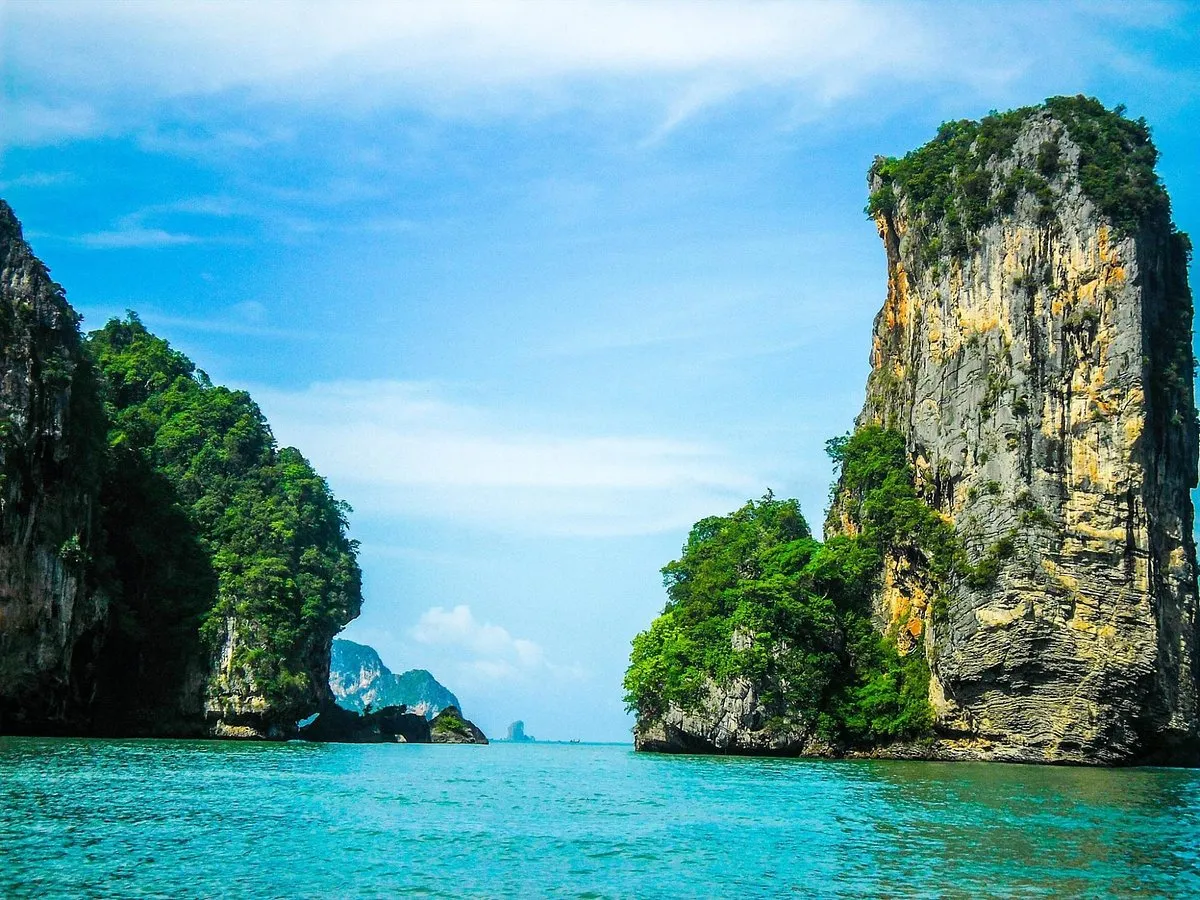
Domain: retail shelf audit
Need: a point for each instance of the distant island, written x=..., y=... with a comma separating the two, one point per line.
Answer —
x=359, y=680
x=517, y=735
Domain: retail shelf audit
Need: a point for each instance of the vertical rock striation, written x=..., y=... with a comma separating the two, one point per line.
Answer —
x=51, y=441
x=1035, y=352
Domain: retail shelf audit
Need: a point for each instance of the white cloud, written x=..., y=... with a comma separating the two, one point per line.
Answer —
x=203, y=47
x=135, y=236
x=482, y=649
x=30, y=121
x=521, y=57
x=401, y=448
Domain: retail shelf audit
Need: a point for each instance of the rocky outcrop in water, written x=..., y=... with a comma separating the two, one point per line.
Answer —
x=449, y=727
x=1035, y=352
x=390, y=725
x=51, y=445
x=516, y=734
x=1013, y=513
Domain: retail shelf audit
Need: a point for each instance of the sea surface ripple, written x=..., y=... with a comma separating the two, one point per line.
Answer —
x=97, y=818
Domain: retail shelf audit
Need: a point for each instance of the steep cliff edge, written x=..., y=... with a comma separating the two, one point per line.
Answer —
x=51, y=442
x=1034, y=351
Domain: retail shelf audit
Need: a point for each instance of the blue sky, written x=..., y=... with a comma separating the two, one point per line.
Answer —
x=535, y=285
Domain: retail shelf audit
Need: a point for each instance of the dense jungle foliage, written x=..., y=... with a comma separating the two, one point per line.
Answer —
x=207, y=521
x=954, y=185
x=755, y=595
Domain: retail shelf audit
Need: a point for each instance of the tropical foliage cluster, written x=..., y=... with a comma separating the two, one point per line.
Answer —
x=207, y=522
x=754, y=595
x=953, y=181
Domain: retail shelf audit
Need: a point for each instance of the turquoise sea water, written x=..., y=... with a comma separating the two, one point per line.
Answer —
x=221, y=819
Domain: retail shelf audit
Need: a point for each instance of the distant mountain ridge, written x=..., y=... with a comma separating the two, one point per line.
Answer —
x=358, y=678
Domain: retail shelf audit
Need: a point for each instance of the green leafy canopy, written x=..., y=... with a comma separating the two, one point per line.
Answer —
x=208, y=521
x=951, y=186
x=754, y=595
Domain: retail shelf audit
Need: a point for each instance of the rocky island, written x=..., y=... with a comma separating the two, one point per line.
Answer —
x=391, y=725
x=373, y=705
x=166, y=568
x=1009, y=571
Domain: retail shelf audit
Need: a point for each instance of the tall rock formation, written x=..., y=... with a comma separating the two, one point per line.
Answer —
x=1035, y=352
x=51, y=441
x=227, y=547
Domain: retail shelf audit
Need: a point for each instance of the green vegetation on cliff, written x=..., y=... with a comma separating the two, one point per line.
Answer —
x=755, y=596
x=212, y=527
x=954, y=182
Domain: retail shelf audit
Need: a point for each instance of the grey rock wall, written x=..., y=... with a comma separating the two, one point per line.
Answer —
x=51, y=429
x=1043, y=383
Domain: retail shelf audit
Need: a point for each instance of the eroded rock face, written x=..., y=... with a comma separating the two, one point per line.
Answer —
x=236, y=705
x=51, y=438
x=1043, y=383
x=729, y=719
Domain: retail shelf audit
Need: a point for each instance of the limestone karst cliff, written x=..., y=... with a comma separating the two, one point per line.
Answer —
x=359, y=679
x=1013, y=514
x=1035, y=352
x=51, y=436
x=165, y=567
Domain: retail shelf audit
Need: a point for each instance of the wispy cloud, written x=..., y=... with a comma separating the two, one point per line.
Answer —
x=29, y=121
x=404, y=448
x=37, y=180
x=483, y=650
x=174, y=224
x=139, y=229
x=205, y=142
x=522, y=57
x=248, y=319
x=135, y=236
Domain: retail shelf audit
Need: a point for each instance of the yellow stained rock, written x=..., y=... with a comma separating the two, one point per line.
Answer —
x=990, y=617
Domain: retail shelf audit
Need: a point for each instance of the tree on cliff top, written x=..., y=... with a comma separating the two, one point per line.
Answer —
x=953, y=180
